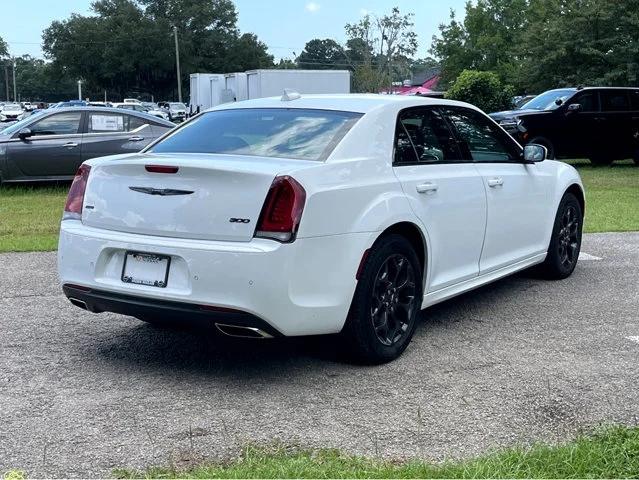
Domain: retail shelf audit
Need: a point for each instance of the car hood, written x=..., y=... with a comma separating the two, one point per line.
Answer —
x=497, y=116
x=11, y=112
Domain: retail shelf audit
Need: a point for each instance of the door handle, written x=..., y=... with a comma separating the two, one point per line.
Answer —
x=427, y=188
x=136, y=138
x=495, y=182
x=70, y=145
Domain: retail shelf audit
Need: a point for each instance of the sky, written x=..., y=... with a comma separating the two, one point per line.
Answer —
x=284, y=25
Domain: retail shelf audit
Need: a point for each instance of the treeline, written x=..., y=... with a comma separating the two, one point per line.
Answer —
x=535, y=45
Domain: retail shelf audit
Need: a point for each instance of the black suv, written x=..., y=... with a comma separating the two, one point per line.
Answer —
x=599, y=123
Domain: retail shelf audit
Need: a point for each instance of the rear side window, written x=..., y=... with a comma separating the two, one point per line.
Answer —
x=615, y=101
x=634, y=100
x=302, y=134
x=423, y=137
x=113, y=123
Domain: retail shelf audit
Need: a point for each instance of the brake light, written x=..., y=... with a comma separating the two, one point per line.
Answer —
x=282, y=210
x=161, y=169
x=75, y=198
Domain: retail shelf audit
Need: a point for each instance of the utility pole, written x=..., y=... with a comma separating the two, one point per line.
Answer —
x=79, y=89
x=177, y=64
x=15, y=97
x=6, y=80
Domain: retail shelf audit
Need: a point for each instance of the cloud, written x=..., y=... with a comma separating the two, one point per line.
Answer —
x=313, y=7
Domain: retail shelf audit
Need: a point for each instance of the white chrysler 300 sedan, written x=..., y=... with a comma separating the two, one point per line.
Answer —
x=312, y=215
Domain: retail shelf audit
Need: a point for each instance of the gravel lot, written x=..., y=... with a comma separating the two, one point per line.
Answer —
x=518, y=361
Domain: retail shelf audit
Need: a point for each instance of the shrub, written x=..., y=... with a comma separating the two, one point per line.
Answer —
x=482, y=89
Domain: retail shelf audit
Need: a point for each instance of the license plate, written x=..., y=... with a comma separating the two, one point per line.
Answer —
x=146, y=269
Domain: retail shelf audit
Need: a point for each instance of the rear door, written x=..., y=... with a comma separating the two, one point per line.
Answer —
x=518, y=195
x=111, y=133
x=53, y=150
x=445, y=192
x=616, y=123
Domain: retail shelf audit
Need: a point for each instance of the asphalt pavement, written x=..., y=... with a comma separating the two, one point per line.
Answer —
x=519, y=361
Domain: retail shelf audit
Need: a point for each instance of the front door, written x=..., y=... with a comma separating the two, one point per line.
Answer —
x=518, y=195
x=54, y=149
x=445, y=192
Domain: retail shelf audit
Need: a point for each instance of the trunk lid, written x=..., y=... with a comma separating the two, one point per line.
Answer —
x=210, y=197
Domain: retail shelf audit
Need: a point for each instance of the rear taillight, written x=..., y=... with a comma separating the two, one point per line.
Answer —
x=282, y=210
x=75, y=198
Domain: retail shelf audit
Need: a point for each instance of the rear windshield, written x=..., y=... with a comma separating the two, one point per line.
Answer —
x=302, y=134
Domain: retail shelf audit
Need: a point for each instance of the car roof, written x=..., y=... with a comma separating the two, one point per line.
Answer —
x=350, y=102
x=107, y=110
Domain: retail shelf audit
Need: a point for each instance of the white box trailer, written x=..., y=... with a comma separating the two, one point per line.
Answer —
x=206, y=90
x=212, y=89
x=271, y=83
x=236, y=87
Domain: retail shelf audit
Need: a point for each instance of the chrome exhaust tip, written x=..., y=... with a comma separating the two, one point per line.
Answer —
x=78, y=303
x=242, y=332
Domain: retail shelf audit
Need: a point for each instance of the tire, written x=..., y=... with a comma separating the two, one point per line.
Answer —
x=565, y=244
x=546, y=143
x=601, y=160
x=386, y=305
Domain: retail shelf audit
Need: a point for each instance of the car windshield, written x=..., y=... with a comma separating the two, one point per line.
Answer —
x=178, y=105
x=302, y=134
x=547, y=100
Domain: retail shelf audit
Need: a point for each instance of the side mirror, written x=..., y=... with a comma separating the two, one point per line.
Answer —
x=25, y=133
x=574, y=107
x=559, y=102
x=534, y=153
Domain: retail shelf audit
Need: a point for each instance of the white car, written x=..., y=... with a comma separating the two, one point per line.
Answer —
x=12, y=112
x=311, y=215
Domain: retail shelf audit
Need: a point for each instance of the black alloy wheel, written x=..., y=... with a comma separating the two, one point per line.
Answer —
x=386, y=304
x=393, y=299
x=568, y=242
x=565, y=243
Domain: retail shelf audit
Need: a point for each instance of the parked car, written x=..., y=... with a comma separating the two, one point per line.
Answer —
x=12, y=112
x=547, y=101
x=598, y=123
x=175, y=110
x=52, y=144
x=149, y=108
x=70, y=103
x=316, y=215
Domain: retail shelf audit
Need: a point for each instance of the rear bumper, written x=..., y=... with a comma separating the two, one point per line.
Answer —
x=98, y=301
x=301, y=288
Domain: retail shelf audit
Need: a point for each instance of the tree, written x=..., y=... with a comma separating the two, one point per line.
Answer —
x=589, y=42
x=381, y=47
x=4, y=49
x=482, y=89
x=489, y=38
x=126, y=46
x=322, y=55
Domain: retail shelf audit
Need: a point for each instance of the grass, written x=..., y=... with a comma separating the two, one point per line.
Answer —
x=30, y=216
x=611, y=452
x=612, y=196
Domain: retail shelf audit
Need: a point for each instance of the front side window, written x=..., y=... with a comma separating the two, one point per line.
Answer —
x=480, y=138
x=588, y=101
x=302, y=134
x=66, y=123
x=615, y=101
x=423, y=137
